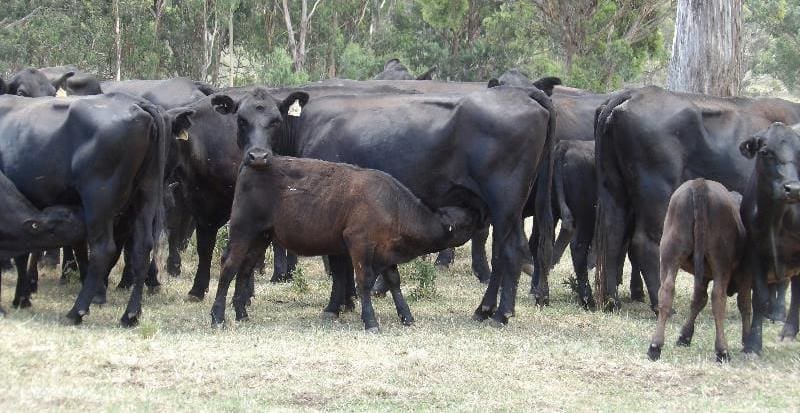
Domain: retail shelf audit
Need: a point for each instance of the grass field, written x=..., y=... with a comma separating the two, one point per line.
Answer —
x=286, y=357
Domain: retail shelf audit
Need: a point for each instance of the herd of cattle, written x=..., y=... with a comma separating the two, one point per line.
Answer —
x=374, y=173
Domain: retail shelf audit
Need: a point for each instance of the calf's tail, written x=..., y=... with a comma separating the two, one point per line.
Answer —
x=700, y=204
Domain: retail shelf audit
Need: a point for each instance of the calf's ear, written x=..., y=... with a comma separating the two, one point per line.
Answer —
x=493, y=83
x=750, y=147
x=292, y=104
x=224, y=104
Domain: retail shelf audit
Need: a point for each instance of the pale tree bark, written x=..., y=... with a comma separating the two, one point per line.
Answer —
x=230, y=48
x=298, y=45
x=707, y=47
x=118, y=40
x=209, y=40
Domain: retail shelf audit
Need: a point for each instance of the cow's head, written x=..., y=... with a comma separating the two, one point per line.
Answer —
x=33, y=83
x=514, y=77
x=777, y=151
x=261, y=121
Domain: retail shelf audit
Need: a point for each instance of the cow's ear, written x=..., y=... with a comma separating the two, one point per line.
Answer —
x=546, y=84
x=3, y=87
x=493, y=82
x=293, y=103
x=181, y=122
x=60, y=83
x=750, y=147
x=224, y=104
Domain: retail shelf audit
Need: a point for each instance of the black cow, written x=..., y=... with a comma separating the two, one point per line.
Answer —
x=33, y=83
x=649, y=141
x=105, y=153
x=472, y=151
x=394, y=70
x=78, y=84
x=771, y=215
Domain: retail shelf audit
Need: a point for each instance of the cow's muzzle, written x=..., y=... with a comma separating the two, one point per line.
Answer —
x=791, y=191
x=256, y=158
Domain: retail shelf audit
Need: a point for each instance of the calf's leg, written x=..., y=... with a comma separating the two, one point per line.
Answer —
x=666, y=294
x=22, y=293
x=206, y=238
x=699, y=301
x=393, y=279
x=719, y=300
x=777, y=293
x=790, y=326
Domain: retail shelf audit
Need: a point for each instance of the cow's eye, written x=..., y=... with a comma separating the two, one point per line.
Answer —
x=260, y=108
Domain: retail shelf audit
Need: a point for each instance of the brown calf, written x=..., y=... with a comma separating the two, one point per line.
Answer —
x=315, y=207
x=702, y=228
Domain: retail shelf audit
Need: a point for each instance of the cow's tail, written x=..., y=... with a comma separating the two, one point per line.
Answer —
x=158, y=155
x=543, y=215
x=700, y=204
x=205, y=88
x=604, y=164
x=564, y=212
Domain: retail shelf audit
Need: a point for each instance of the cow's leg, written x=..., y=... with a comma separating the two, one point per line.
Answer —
x=381, y=287
x=33, y=272
x=777, y=294
x=699, y=300
x=291, y=265
x=361, y=256
x=279, y=263
x=744, y=303
x=82, y=257
x=579, y=249
x=754, y=341
x=243, y=289
x=637, y=284
x=2, y=310
x=645, y=251
x=790, y=326
x=341, y=272
x=445, y=258
x=127, y=279
x=152, y=283
x=206, y=238
x=143, y=241
x=535, y=292
x=565, y=235
x=719, y=299
x=238, y=248
x=480, y=264
x=22, y=292
x=393, y=278
x=101, y=243
x=666, y=294
x=610, y=255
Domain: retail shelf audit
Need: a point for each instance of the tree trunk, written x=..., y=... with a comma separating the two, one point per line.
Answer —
x=118, y=40
x=230, y=48
x=707, y=47
x=298, y=46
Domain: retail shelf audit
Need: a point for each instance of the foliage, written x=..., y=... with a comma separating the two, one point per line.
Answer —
x=424, y=273
x=299, y=282
x=595, y=44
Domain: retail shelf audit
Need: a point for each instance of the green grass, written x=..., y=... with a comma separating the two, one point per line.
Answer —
x=287, y=358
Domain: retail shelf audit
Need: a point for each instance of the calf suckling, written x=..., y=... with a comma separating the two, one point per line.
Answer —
x=315, y=207
x=702, y=230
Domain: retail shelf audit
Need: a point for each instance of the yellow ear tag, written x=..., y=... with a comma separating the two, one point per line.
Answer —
x=184, y=135
x=295, y=109
x=61, y=93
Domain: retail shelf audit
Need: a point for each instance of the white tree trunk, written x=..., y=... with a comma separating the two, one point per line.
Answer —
x=118, y=40
x=230, y=48
x=707, y=47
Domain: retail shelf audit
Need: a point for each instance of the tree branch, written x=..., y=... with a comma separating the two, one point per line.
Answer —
x=7, y=26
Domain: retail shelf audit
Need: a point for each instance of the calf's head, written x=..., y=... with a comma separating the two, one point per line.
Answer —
x=777, y=150
x=459, y=224
x=261, y=121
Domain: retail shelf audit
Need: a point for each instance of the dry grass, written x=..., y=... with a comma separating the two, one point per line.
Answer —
x=286, y=358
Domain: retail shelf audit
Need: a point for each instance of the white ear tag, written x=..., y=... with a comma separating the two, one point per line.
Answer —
x=184, y=135
x=295, y=109
x=61, y=93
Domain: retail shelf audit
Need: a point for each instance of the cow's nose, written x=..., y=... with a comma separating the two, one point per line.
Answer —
x=792, y=190
x=256, y=158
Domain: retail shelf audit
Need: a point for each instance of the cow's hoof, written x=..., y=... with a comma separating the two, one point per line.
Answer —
x=483, y=280
x=789, y=332
x=2, y=312
x=611, y=306
x=683, y=341
x=723, y=356
x=543, y=301
x=99, y=299
x=124, y=285
x=372, y=330
x=34, y=287
x=22, y=303
x=588, y=303
x=329, y=316
x=194, y=297
x=778, y=315
x=498, y=320
x=154, y=289
x=496, y=324
x=654, y=352
x=217, y=324
x=75, y=317
x=129, y=320
x=637, y=297
x=243, y=318
x=63, y=280
x=407, y=321
x=482, y=313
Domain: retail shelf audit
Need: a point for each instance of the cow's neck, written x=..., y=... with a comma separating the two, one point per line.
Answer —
x=764, y=219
